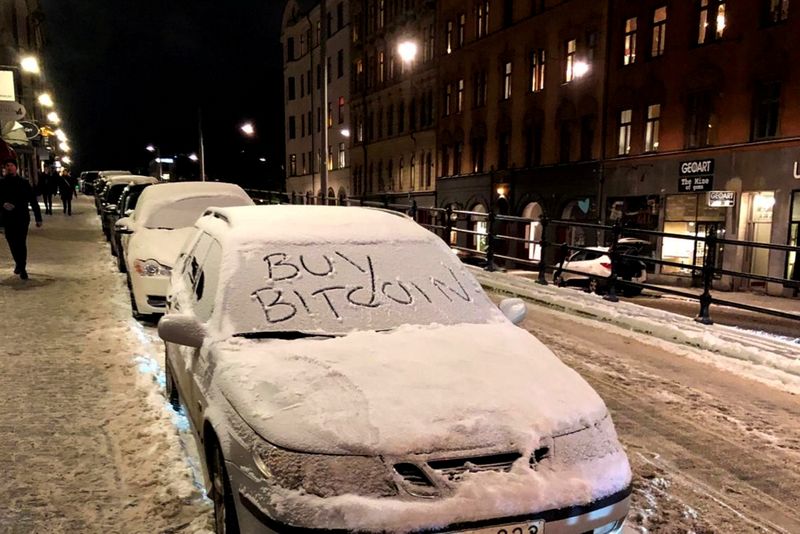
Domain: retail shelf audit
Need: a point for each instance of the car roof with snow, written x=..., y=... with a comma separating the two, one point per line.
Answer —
x=158, y=196
x=128, y=179
x=295, y=224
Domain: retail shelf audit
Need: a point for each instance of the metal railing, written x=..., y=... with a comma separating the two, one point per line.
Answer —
x=488, y=238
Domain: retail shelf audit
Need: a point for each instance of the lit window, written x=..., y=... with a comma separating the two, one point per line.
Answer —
x=482, y=19
x=651, y=135
x=341, y=110
x=460, y=96
x=342, y=156
x=381, y=66
x=462, y=25
x=448, y=95
x=630, y=41
x=537, y=70
x=507, y=81
x=570, y=49
x=778, y=11
x=712, y=21
x=293, y=165
x=625, y=118
x=659, y=31
x=449, y=37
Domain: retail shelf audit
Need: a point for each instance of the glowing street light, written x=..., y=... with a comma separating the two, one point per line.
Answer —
x=53, y=118
x=151, y=148
x=30, y=64
x=67, y=160
x=407, y=51
x=194, y=157
x=345, y=132
x=61, y=136
x=248, y=129
x=580, y=69
x=46, y=100
x=65, y=147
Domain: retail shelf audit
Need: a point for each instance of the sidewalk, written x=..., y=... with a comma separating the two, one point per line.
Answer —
x=87, y=446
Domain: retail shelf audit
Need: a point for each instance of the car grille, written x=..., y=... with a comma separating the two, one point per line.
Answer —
x=454, y=470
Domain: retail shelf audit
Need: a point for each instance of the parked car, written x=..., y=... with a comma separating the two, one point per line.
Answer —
x=591, y=267
x=124, y=208
x=86, y=181
x=343, y=371
x=101, y=183
x=109, y=202
x=159, y=225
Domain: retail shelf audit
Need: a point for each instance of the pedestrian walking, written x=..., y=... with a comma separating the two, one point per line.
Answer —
x=16, y=194
x=66, y=190
x=48, y=186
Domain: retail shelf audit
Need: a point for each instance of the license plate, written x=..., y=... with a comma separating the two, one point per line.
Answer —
x=529, y=527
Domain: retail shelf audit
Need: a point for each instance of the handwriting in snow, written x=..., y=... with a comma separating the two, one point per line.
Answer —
x=369, y=291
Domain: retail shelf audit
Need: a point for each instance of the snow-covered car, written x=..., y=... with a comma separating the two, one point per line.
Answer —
x=343, y=371
x=109, y=212
x=591, y=268
x=100, y=184
x=156, y=231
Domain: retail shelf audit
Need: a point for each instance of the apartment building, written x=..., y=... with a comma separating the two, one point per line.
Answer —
x=304, y=106
x=703, y=97
x=394, y=100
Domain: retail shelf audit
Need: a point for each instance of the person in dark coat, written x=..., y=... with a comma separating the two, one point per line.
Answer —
x=66, y=190
x=48, y=186
x=16, y=194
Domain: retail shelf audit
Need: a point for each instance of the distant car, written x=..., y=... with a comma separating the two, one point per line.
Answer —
x=101, y=183
x=591, y=268
x=343, y=371
x=86, y=181
x=123, y=208
x=157, y=229
x=109, y=202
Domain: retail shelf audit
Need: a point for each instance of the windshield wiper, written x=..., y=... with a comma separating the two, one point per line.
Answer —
x=288, y=335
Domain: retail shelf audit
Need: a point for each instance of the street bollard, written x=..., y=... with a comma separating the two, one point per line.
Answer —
x=709, y=260
x=490, y=231
x=542, y=280
x=613, y=253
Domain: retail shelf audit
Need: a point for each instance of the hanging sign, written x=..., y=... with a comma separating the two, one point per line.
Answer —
x=11, y=111
x=721, y=199
x=31, y=129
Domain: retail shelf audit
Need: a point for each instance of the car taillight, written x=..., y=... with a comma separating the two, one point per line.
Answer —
x=606, y=265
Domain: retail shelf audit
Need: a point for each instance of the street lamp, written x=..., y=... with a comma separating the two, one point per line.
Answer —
x=65, y=147
x=61, y=136
x=53, y=118
x=155, y=150
x=30, y=65
x=580, y=69
x=67, y=160
x=248, y=129
x=194, y=157
x=46, y=100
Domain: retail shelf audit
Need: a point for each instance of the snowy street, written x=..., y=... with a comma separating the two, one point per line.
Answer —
x=91, y=445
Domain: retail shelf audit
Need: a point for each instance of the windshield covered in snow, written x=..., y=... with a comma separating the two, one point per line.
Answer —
x=338, y=288
x=185, y=212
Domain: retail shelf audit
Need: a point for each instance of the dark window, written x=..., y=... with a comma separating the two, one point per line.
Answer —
x=564, y=142
x=290, y=49
x=480, y=89
x=458, y=153
x=478, y=155
x=340, y=64
x=339, y=16
x=508, y=13
x=767, y=109
x=412, y=115
x=504, y=150
x=587, y=137
x=448, y=99
x=700, y=119
x=533, y=145
x=460, y=96
x=445, y=160
x=482, y=19
x=390, y=121
x=462, y=26
x=292, y=91
x=537, y=6
x=401, y=117
x=776, y=11
x=292, y=127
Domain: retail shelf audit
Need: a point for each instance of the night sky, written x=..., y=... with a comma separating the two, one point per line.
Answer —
x=126, y=73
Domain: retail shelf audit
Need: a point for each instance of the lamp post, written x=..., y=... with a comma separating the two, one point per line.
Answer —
x=407, y=50
x=155, y=150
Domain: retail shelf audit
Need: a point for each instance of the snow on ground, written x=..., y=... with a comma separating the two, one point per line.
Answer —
x=90, y=444
x=765, y=358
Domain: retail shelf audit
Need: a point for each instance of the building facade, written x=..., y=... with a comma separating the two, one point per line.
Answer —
x=703, y=98
x=303, y=73
x=394, y=104
x=21, y=35
x=520, y=128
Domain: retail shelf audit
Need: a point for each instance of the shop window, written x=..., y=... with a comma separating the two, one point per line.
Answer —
x=570, y=49
x=624, y=142
x=659, y=32
x=480, y=226
x=712, y=21
x=793, y=258
x=630, y=41
x=653, y=128
x=689, y=215
x=776, y=11
x=767, y=109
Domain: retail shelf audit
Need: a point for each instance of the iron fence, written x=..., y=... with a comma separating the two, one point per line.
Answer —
x=487, y=238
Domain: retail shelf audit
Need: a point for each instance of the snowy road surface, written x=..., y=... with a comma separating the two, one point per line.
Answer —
x=91, y=445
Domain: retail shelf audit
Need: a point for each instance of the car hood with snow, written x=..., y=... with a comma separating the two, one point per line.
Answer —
x=415, y=390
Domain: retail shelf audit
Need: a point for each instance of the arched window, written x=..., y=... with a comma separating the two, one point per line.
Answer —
x=480, y=225
x=533, y=230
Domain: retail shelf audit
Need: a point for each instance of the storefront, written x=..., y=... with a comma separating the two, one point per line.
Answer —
x=748, y=194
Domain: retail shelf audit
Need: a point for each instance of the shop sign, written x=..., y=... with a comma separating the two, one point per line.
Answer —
x=8, y=92
x=695, y=184
x=31, y=129
x=11, y=111
x=721, y=199
x=702, y=167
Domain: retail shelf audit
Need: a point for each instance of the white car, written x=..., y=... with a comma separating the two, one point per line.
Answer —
x=591, y=268
x=155, y=232
x=343, y=371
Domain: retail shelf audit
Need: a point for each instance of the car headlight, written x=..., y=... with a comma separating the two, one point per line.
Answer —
x=324, y=475
x=151, y=268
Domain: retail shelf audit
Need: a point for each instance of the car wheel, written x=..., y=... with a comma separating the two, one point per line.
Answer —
x=134, y=310
x=121, y=264
x=630, y=292
x=557, y=280
x=170, y=389
x=593, y=286
x=225, y=521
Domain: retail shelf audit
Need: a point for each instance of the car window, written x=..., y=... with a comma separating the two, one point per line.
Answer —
x=207, y=282
x=593, y=255
x=578, y=256
x=184, y=213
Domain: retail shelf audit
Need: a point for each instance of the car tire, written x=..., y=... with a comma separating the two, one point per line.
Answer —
x=171, y=389
x=225, y=521
x=558, y=281
x=630, y=292
x=134, y=310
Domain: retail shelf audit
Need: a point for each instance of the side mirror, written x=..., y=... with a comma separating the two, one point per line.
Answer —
x=111, y=208
x=128, y=213
x=182, y=330
x=515, y=310
x=123, y=226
